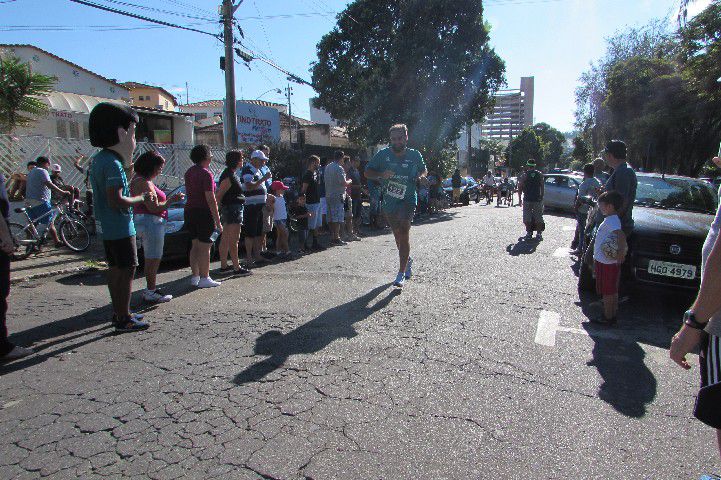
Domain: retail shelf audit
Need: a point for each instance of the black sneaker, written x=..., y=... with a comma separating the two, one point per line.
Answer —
x=242, y=272
x=129, y=324
x=318, y=247
x=602, y=320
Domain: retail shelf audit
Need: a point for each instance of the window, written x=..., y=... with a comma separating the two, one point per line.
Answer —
x=74, y=130
x=86, y=130
x=62, y=128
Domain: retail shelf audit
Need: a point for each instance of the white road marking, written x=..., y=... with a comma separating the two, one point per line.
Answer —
x=562, y=252
x=547, y=327
x=569, y=228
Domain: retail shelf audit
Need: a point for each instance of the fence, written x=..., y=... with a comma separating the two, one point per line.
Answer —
x=16, y=151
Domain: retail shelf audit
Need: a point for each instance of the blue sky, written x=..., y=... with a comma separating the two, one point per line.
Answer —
x=553, y=40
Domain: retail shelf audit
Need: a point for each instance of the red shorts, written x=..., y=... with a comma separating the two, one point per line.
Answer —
x=607, y=275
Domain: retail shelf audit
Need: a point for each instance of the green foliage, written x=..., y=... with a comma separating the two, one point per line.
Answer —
x=524, y=147
x=382, y=65
x=581, y=150
x=443, y=162
x=19, y=87
x=552, y=142
x=576, y=165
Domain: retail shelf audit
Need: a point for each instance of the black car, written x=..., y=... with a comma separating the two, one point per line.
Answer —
x=672, y=216
x=469, y=190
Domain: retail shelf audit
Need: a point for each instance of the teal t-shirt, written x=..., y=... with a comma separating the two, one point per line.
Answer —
x=106, y=170
x=401, y=188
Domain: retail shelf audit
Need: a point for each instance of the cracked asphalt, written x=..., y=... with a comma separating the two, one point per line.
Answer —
x=318, y=369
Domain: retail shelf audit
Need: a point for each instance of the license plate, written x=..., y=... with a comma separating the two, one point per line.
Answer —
x=669, y=269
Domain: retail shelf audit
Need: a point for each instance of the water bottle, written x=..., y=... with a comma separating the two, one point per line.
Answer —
x=214, y=236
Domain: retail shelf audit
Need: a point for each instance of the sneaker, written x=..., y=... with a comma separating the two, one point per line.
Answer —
x=155, y=296
x=338, y=242
x=242, y=272
x=225, y=269
x=539, y=236
x=15, y=353
x=317, y=247
x=409, y=269
x=208, y=282
x=529, y=236
x=129, y=324
x=355, y=238
x=400, y=280
x=194, y=280
x=601, y=320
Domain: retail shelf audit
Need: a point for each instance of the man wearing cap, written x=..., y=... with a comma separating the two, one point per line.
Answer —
x=399, y=168
x=255, y=192
x=532, y=186
x=38, y=194
x=622, y=180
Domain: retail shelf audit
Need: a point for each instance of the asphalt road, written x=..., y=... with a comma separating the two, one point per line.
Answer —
x=483, y=367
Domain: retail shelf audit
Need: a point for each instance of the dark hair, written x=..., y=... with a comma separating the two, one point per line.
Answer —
x=312, y=159
x=589, y=169
x=147, y=162
x=612, y=198
x=40, y=160
x=33, y=163
x=199, y=153
x=338, y=155
x=104, y=121
x=617, y=148
x=233, y=158
x=300, y=195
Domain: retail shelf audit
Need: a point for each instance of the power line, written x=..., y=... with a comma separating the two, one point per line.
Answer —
x=159, y=10
x=140, y=17
x=92, y=28
x=193, y=7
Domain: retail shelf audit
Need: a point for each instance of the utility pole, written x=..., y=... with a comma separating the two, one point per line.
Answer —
x=231, y=119
x=289, y=93
x=186, y=94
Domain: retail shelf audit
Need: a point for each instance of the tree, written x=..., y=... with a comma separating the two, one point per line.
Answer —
x=581, y=150
x=380, y=65
x=552, y=142
x=19, y=89
x=524, y=147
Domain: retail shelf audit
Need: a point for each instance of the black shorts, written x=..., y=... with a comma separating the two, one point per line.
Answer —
x=253, y=221
x=121, y=253
x=231, y=214
x=199, y=223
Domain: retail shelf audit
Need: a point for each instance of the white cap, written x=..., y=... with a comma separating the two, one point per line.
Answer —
x=259, y=154
x=57, y=167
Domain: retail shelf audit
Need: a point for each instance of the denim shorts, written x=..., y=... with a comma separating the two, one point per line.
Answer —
x=316, y=220
x=231, y=214
x=150, y=230
x=336, y=212
x=39, y=210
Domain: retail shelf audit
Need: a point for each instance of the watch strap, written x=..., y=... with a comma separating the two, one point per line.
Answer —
x=690, y=319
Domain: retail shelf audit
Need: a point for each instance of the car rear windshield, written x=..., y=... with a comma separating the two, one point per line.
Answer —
x=676, y=194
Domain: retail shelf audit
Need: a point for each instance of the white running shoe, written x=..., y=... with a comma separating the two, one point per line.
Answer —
x=409, y=269
x=208, y=282
x=194, y=280
x=400, y=280
x=155, y=296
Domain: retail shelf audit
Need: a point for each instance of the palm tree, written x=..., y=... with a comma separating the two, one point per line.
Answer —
x=19, y=92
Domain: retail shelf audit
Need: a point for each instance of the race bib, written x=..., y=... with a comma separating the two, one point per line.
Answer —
x=396, y=190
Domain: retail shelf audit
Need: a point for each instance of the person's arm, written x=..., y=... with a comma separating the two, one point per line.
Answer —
x=77, y=165
x=622, y=246
x=222, y=190
x=623, y=186
x=116, y=198
x=213, y=205
x=56, y=189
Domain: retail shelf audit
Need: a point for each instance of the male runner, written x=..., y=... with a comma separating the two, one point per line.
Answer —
x=398, y=168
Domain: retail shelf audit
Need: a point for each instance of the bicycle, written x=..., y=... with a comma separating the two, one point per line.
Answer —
x=28, y=240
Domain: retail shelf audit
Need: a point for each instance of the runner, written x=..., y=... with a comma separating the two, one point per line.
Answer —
x=398, y=168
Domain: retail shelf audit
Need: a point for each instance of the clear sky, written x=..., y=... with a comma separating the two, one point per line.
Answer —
x=553, y=40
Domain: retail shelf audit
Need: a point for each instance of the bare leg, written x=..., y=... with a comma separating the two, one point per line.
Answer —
x=249, y=247
x=151, y=272
x=718, y=440
x=224, y=247
x=257, y=242
x=232, y=232
x=120, y=285
x=610, y=306
x=401, y=233
x=203, y=259
x=194, y=259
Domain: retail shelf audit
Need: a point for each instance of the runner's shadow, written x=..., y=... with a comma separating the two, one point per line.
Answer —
x=313, y=336
x=522, y=248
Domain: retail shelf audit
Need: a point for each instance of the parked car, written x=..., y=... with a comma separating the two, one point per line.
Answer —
x=672, y=216
x=560, y=191
x=469, y=189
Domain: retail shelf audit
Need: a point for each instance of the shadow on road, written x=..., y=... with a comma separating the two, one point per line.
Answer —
x=522, y=247
x=313, y=336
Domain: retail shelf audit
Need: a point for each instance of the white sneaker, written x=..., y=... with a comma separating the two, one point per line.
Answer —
x=194, y=280
x=208, y=282
x=17, y=352
x=154, y=296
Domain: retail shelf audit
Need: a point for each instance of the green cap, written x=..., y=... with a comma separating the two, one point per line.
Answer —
x=531, y=163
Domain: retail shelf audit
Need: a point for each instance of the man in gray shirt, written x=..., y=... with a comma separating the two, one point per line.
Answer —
x=38, y=193
x=588, y=188
x=622, y=180
x=336, y=184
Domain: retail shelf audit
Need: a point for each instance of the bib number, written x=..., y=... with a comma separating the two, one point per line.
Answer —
x=396, y=190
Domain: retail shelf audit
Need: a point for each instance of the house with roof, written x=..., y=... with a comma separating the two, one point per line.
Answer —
x=77, y=90
x=215, y=108
x=150, y=96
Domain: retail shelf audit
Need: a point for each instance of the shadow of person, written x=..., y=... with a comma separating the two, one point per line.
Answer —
x=628, y=385
x=314, y=335
x=521, y=248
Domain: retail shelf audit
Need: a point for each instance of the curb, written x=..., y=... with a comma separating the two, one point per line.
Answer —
x=52, y=273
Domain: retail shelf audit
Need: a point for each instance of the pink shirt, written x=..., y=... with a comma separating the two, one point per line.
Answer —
x=198, y=181
x=141, y=209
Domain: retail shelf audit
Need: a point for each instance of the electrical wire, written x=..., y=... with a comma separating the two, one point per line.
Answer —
x=91, y=28
x=158, y=10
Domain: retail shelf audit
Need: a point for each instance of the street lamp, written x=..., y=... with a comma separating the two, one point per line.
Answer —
x=276, y=90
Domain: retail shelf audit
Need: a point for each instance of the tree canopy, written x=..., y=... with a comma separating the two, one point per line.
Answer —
x=426, y=63
x=524, y=147
x=19, y=88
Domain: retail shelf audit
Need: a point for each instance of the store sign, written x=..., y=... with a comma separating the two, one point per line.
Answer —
x=257, y=124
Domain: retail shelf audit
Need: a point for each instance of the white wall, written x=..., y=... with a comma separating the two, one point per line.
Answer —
x=69, y=78
x=318, y=115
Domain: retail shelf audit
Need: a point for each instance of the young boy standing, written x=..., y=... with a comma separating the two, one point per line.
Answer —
x=609, y=253
x=112, y=128
x=280, y=219
x=300, y=213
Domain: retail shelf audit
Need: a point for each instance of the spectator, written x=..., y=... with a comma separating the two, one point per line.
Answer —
x=301, y=214
x=201, y=215
x=335, y=191
x=356, y=198
x=8, y=351
x=18, y=181
x=348, y=205
x=150, y=218
x=38, y=194
x=280, y=219
x=434, y=192
x=268, y=224
x=374, y=195
x=255, y=191
x=112, y=128
x=599, y=171
x=57, y=179
x=310, y=187
x=231, y=200
x=622, y=180
x=322, y=229
x=456, y=183
x=588, y=188
x=265, y=169
x=532, y=185
x=702, y=328
x=608, y=254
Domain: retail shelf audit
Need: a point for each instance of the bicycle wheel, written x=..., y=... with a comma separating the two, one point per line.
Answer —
x=74, y=235
x=23, y=240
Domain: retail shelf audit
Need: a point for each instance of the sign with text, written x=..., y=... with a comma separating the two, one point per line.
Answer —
x=257, y=124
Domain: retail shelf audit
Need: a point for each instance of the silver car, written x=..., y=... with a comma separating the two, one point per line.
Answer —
x=560, y=191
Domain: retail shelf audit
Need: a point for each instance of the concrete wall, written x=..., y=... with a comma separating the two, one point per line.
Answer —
x=152, y=98
x=69, y=78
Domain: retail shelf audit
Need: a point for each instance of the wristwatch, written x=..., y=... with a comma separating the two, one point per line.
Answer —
x=689, y=318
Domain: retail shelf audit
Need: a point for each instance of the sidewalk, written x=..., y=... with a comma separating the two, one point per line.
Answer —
x=58, y=261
